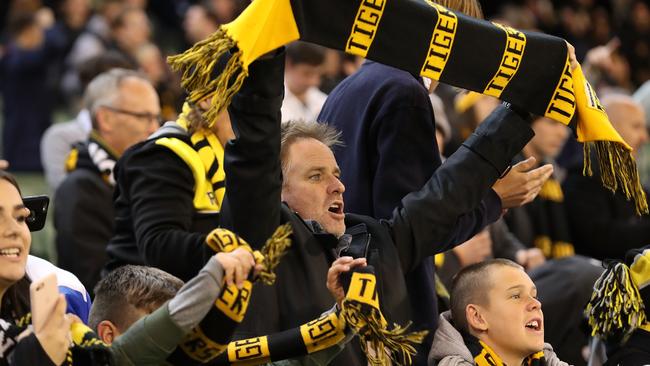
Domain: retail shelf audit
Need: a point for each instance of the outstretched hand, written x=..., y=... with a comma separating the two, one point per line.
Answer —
x=341, y=265
x=522, y=183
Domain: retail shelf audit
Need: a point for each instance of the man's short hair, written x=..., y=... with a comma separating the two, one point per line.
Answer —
x=124, y=291
x=104, y=89
x=471, y=286
x=295, y=130
x=299, y=52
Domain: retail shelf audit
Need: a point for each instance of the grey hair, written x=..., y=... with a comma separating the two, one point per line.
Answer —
x=298, y=129
x=103, y=90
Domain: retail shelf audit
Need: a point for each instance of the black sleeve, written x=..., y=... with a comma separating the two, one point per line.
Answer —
x=597, y=229
x=161, y=188
x=29, y=352
x=83, y=217
x=252, y=160
x=426, y=219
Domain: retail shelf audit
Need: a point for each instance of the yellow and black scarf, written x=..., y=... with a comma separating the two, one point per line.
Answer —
x=485, y=356
x=528, y=69
x=94, y=154
x=360, y=314
x=86, y=349
x=620, y=303
x=205, y=159
x=210, y=338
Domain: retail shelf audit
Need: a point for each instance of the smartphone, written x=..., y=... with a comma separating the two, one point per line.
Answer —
x=37, y=206
x=43, y=295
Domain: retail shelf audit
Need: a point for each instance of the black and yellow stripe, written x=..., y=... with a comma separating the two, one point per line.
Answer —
x=528, y=69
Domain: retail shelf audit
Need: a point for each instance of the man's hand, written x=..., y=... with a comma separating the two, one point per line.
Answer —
x=530, y=258
x=475, y=250
x=341, y=265
x=522, y=183
x=572, y=56
x=236, y=266
x=54, y=337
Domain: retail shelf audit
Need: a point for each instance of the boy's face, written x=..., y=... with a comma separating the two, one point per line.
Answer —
x=513, y=316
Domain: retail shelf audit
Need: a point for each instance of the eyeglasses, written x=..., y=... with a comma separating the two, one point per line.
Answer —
x=140, y=115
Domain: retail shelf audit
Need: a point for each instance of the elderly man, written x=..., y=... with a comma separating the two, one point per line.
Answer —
x=604, y=225
x=303, y=173
x=124, y=109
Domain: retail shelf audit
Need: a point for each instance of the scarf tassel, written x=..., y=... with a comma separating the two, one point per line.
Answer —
x=197, y=65
x=617, y=169
x=370, y=325
x=272, y=251
x=616, y=307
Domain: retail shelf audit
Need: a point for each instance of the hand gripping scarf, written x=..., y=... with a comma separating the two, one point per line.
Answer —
x=621, y=298
x=360, y=314
x=86, y=348
x=527, y=69
x=485, y=356
x=210, y=338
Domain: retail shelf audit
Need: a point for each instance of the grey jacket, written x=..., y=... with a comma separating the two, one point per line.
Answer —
x=449, y=349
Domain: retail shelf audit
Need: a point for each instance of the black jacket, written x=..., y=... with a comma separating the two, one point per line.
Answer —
x=419, y=226
x=156, y=223
x=603, y=225
x=635, y=352
x=83, y=218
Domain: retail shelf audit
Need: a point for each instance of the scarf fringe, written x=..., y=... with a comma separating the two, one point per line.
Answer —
x=273, y=250
x=387, y=345
x=617, y=169
x=197, y=67
x=616, y=306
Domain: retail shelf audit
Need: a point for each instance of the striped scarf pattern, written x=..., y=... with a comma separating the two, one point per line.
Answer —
x=527, y=69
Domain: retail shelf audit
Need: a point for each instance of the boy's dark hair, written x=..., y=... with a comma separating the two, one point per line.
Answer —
x=305, y=53
x=128, y=289
x=471, y=286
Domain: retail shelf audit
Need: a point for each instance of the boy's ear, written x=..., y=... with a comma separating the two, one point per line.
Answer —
x=107, y=331
x=475, y=319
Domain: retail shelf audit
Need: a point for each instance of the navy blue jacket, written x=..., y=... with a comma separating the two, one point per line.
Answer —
x=388, y=130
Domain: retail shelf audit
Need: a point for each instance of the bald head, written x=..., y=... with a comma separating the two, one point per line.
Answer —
x=628, y=118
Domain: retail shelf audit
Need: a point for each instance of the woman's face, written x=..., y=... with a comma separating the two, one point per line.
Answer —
x=15, y=237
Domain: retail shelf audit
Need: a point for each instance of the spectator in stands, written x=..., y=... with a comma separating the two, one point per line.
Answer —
x=27, y=99
x=604, y=225
x=153, y=65
x=302, y=76
x=17, y=271
x=125, y=110
x=130, y=31
x=58, y=139
x=495, y=318
x=199, y=23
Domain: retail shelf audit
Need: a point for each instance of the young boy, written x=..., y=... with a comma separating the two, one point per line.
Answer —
x=495, y=319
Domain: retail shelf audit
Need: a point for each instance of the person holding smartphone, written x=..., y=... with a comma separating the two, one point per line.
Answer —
x=48, y=344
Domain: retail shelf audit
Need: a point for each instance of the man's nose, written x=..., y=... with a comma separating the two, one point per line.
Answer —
x=336, y=186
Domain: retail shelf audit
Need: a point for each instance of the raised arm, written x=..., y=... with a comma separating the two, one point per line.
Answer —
x=426, y=219
x=252, y=159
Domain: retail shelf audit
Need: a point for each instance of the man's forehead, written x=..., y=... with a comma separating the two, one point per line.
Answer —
x=310, y=153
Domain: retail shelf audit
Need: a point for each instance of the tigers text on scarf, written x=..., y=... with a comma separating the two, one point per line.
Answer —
x=527, y=69
x=210, y=338
x=360, y=313
x=485, y=356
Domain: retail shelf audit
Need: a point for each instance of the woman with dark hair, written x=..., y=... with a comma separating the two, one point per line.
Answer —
x=48, y=345
x=17, y=270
